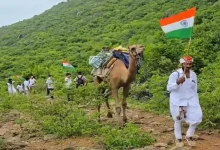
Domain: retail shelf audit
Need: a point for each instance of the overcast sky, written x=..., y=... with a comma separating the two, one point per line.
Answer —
x=12, y=11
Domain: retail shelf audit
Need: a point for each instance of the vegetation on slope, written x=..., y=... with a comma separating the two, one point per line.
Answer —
x=64, y=119
x=78, y=29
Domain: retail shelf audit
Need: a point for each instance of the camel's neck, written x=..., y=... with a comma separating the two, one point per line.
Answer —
x=132, y=70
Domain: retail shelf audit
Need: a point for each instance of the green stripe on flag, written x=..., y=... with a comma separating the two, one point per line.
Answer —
x=182, y=33
x=69, y=69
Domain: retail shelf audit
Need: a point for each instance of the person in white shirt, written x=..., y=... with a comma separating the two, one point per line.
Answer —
x=32, y=82
x=11, y=88
x=184, y=101
x=26, y=87
x=20, y=88
x=68, y=84
x=50, y=86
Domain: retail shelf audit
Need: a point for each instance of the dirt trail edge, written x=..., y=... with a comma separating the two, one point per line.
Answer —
x=160, y=127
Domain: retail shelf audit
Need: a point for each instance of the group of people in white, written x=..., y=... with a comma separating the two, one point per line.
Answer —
x=26, y=87
x=23, y=88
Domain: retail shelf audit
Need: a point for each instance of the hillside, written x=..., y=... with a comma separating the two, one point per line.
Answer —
x=77, y=29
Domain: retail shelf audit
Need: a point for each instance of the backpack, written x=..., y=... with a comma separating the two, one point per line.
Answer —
x=80, y=80
x=178, y=74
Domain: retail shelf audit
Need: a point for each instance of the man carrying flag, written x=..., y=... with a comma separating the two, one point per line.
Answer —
x=182, y=84
x=184, y=101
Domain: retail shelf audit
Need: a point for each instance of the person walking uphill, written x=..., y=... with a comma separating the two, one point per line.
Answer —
x=32, y=82
x=68, y=83
x=184, y=101
x=20, y=88
x=26, y=86
x=11, y=88
x=80, y=80
x=50, y=86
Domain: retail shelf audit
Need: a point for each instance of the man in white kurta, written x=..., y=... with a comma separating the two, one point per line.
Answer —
x=182, y=86
x=68, y=83
x=26, y=87
x=11, y=88
x=50, y=86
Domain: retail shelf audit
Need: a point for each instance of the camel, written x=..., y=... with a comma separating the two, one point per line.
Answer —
x=121, y=77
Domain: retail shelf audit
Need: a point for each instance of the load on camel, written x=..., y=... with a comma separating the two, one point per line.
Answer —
x=118, y=67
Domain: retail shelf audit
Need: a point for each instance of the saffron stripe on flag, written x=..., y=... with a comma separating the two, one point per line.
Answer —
x=178, y=17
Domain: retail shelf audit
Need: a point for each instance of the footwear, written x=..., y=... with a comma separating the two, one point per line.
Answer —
x=190, y=141
x=179, y=143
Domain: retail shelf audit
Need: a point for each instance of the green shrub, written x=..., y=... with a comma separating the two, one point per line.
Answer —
x=126, y=138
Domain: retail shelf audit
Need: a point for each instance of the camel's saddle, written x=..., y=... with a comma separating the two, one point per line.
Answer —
x=103, y=62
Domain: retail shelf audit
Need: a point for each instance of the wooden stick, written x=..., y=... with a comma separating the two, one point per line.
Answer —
x=188, y=46
x=184, y=70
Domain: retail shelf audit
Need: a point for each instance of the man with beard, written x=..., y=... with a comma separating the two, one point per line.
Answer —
x=184, y=101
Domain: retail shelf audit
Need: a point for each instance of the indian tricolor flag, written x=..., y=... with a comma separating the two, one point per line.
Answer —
x=67, y=65
x=179, y=25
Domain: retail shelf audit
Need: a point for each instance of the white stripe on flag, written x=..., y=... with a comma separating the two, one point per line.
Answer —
x=185, y=23
x=66, y=64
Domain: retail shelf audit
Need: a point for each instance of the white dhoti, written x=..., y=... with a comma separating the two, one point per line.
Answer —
x=193, y=118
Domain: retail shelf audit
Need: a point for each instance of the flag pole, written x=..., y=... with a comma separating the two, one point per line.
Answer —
x=187, y=51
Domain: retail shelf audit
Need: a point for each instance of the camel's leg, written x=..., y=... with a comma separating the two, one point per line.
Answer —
x=124, y=102
x=109, y=115
x=117, y=102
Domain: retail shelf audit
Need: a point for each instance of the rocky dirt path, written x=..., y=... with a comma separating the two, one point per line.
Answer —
x=161, y=127
x=22, y=137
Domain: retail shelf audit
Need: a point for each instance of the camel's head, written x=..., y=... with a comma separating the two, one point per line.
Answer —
x=136, y=50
